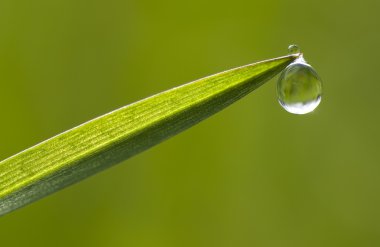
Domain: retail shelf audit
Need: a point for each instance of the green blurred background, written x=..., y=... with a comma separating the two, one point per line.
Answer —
x=252, y=175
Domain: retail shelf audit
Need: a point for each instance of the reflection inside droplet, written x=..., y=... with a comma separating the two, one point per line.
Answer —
x=301, y=108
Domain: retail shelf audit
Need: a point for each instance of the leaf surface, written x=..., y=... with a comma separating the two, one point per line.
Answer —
x=107, y=140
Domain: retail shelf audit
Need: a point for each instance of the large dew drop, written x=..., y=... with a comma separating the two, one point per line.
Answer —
x=299, y=88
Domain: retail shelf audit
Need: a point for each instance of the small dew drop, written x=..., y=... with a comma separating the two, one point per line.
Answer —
x=299, y=88
x=294, y=49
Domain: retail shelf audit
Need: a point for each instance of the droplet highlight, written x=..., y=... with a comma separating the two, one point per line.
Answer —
x=299, y=88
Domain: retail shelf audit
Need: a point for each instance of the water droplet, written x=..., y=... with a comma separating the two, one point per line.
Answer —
x=299, y=87
x=294, y=49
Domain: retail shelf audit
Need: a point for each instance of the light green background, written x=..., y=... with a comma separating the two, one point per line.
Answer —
x=252, y=175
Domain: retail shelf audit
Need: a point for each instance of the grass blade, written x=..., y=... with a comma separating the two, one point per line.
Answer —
x=116, y=136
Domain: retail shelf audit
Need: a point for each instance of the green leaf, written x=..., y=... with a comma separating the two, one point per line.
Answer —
x=116, y=136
